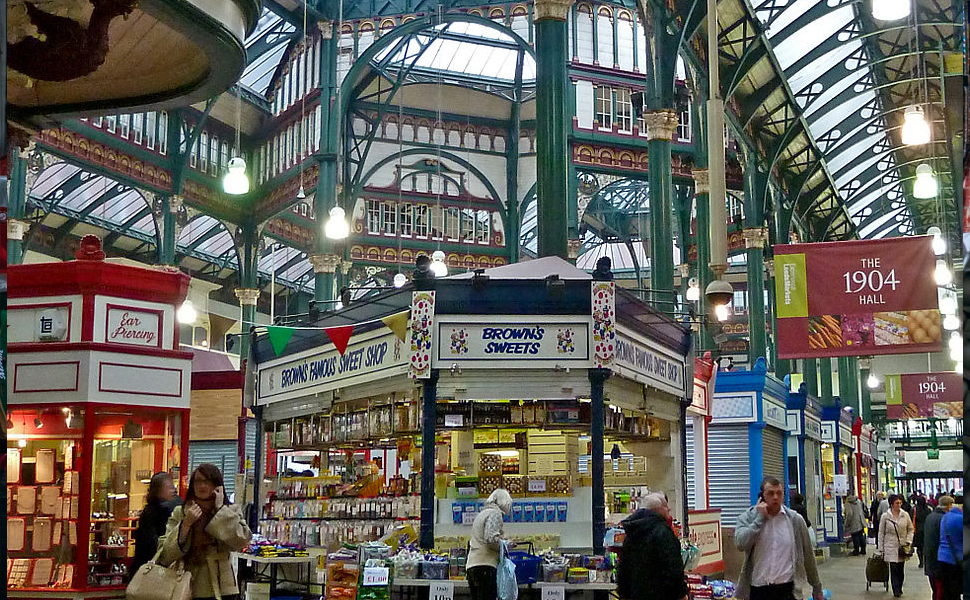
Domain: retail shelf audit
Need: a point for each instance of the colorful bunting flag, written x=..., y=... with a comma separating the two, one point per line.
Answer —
x=279, y=337
x=398, y=323
x=340, y=336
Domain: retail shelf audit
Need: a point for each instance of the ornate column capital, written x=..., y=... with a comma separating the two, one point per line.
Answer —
x=865, y=362
x=345, y=266
x=770, y=267
x=684, y=269
x=25, y=151
x=702, y=181
x=175, y=203
x=573, y=246
x=17, y=229
x=326, y=29
x=552, y=9
x=755, y=237
x=324, y=263
x=661, y=124
x=247, y=296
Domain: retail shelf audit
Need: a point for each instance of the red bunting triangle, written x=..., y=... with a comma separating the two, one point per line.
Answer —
x=340, y=336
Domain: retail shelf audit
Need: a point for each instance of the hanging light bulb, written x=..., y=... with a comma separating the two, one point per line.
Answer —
x=186, y=313
x=693, y=290
x=956, y=341
x=951, y=322
x=722, y=312
x=337, y=227
x=400, y=279
x=925, y=185
x=438, y=265
x=916, y=131
x=948, y=304
x=236, y=182
x=956, y=354
x=939, y=244
x=890, y=10
x=22, y=442
x=300, y=195
x=943, y=274
x=872, y=381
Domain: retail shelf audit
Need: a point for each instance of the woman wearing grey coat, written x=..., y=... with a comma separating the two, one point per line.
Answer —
x=855, y=523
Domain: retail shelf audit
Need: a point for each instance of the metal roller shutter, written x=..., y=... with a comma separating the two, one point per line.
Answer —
x=251, y=434
x=728, y=471
x=773, y=452
x=689, y=459
x=222, y=454
x=810, y=489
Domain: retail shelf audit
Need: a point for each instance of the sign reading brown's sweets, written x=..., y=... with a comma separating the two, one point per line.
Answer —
x=857, y=298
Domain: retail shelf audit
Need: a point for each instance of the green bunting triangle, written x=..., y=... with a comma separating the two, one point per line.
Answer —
x=279, y=337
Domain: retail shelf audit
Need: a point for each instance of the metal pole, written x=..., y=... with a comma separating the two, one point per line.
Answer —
x=430, y=405
x=597, y=379
x=715, y=145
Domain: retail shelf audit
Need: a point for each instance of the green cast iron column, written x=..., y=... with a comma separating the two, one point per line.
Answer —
x=780, y=224
x=248, y=290
x=166, y=250
x=324, y=259
x=810, y=373
x=551, y=151
x=514, y=132
x=755, y=237
x=702, y=198
x=848, y=383
x=17, y=226
x=865, y=365
x=825, y=380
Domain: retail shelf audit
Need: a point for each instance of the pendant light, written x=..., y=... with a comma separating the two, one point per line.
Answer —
x=951, y=322
x=872, y=381
x=939, y=244
x=916, y=131
x=236, y=182
x=337, y=227
x=948, y=304
x=400, y=279
x=925, y=185
x=890, y=10
x=943, y=275
x=186, y=313
x=438, y=265
x=693, y=290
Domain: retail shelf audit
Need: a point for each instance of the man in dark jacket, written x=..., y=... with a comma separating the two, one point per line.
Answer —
x=874, y=515
x=651, y=567
x=798, y=505
x=919, y=521
x=931, y=545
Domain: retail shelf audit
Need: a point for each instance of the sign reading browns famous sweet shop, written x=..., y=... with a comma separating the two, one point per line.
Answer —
x=857, y=298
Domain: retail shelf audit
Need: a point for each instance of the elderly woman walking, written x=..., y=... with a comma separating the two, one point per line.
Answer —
x=895, y=540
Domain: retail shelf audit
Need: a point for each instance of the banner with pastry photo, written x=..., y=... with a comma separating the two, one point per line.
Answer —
x=857, y=298
x=921, y=395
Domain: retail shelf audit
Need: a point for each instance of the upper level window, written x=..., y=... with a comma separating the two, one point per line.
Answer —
x=163, y=132
x=624, y=111
x=483, y=228
x=406, y=222
x=604, y=106
x=111, y=123
x=124, y=121
x=373, y=217
x=683, y=123
x=137, y=126
x=421, y=220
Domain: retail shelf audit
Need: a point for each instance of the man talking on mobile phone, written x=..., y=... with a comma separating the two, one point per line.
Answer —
x=779, y=562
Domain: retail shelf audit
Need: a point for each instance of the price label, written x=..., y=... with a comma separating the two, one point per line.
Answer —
x=468, y=518
x=376, y=576
x=537, y=485
x=553, y=592
x=442, y=590
x=454, y=420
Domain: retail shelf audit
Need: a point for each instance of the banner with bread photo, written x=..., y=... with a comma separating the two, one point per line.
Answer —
x=857, y=298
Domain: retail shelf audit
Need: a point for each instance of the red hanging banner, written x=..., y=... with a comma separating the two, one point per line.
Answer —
x=916, y=395
x=857, y=298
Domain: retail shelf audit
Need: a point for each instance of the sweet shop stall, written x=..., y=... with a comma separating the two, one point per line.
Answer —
x=98, y=403
x=805, y=452
x=746, y=438
x=695, y=426
x=390, y=422
x=838, y=467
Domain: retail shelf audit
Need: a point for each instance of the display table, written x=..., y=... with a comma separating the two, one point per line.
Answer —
x=274, y=563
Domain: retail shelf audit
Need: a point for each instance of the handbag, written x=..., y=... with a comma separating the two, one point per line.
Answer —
x=154, y=581
x=905, y=550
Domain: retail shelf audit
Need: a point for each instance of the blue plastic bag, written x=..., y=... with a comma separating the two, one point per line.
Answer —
x=508, y=587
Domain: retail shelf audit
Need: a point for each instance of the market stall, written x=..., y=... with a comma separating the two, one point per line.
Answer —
x=746, y=438
x=99, y=400
x=805, y=452
x=395, y=418
x=838, y=476
x=866, y=472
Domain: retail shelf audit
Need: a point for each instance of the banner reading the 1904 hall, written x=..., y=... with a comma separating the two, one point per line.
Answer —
x=857, y=298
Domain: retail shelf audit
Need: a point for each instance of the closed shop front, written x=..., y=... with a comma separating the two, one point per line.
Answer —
x=729, y=470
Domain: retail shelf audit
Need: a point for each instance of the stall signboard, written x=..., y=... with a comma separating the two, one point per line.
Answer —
x=865, y=297
x=366, y=358
x=513, y=341
x=705, y=533
x=641, y=360
x=705, y=378
x=774, y=415
x=136, y=327
x=916, y=395
x=813, y=428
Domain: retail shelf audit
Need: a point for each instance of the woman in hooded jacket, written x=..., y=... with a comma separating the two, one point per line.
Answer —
x=485, y=546
x=650, y=565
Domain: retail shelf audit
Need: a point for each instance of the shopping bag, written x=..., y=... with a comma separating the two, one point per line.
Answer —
x=877, y=569
x=508, y=587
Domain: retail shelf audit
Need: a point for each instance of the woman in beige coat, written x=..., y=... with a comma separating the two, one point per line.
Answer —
x=203, y=532
x=895, y=531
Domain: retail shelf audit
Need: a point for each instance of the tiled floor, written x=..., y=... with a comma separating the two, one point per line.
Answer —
x=846, y=577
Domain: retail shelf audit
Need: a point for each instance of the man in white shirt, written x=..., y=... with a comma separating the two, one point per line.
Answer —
x=779, y=559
